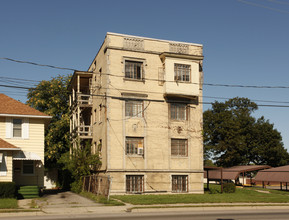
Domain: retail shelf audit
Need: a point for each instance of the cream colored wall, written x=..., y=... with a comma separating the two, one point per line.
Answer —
x=155, y=127
x=99, y=83
x=171, y=87
x=35, y=143
x=155, y=181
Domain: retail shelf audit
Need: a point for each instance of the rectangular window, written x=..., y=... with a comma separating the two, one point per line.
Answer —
x=3, y=165
x=179, y=183
x=17, y=128
x=182, y=72
x=178, y=111
x=179, y=147
x=134, y=108
x=134, y=146
x=28, y=167
x=134, y=183
x=133, y=70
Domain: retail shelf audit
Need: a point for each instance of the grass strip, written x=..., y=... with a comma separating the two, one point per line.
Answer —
x=101, y=199
x=242, y=195
x=18, y=210
x=8, y=204
x=200, y=206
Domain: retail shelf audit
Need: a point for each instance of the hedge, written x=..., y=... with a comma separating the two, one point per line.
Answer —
x=7, y=190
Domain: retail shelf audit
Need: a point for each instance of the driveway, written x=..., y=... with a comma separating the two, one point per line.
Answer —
x=66, y=203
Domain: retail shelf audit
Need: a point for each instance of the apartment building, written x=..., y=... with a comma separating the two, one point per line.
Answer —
x=139, y=105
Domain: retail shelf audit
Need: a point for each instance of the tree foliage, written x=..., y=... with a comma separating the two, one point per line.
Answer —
x=80, y=162
x=232, y=136
x=51, y=97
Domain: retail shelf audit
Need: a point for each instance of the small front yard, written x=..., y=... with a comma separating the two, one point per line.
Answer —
x=8, y=204
x=242, y=195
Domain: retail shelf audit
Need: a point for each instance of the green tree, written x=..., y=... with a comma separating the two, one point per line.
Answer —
x=232, y=136
x=80, y=162
x=51, y=97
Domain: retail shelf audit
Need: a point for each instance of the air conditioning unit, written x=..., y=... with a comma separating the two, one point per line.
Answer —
x=140, y=151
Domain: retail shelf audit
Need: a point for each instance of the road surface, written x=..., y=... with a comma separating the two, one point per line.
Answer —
x=208, y=215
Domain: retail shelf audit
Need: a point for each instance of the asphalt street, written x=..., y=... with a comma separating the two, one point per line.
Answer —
x=205, y=215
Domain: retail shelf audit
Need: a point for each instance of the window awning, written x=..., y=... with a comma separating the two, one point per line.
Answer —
x=24, y=155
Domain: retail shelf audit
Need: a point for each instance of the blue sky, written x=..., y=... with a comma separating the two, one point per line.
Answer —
x=245, y=42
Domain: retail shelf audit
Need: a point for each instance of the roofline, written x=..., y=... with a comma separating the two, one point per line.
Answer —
x=26, y=116
x=154, y=39
x=10, y=149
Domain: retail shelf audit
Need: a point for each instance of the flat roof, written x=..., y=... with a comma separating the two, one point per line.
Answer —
x=153, y=39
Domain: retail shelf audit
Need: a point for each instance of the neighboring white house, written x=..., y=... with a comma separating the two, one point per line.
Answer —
x=21, y=143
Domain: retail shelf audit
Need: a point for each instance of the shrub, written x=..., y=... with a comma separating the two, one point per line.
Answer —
x=229, y=188
x=76, y=186
x=7, y=190
x=214, y=191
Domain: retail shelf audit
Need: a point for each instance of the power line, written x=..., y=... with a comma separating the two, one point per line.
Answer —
x=151, y=79
x=125, y=98
x=37, y=64
x=263, y=6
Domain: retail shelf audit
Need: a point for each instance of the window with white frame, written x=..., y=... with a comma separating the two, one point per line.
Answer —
x=17, y=127
x=27, y=167
x=134, y=183
x=179, y=183
x=179, y=147
x=3, y=164
x=178, y=111
x=134, y=146
x=182, y=72
x=133, y=108
x=133, y=69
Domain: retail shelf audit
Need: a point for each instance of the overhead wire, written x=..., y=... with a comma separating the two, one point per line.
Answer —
x=151, y=79
x=14, y=83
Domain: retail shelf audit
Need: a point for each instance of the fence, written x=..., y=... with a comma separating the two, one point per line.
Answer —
x=97, y=184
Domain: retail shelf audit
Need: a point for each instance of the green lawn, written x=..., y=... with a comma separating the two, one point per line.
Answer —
x=101, y=199
x=242, y=195
x=8, y=204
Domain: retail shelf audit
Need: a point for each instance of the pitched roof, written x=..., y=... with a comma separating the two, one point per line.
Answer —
x=6, y=145
x=232, y=173
x=277, y=174
x=13, y=107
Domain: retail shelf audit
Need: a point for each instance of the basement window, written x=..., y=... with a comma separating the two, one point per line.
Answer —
x=179, y=183
x=134, y=183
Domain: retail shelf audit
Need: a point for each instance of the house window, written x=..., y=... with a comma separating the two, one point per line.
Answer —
x=179, y=183
x=133, y=69
x=134, y=183
x=182, y=72
x=134, y=145
x=3, y=165
x=17, y=127
x=179, y=147
x=134, y=108
x=178, y=111
x=28, y=167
